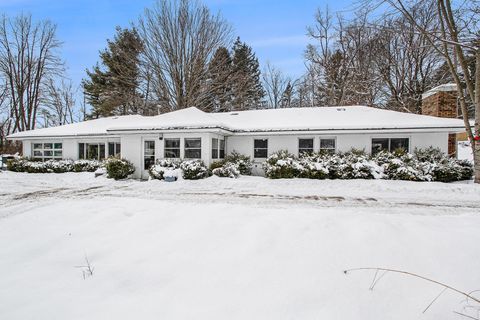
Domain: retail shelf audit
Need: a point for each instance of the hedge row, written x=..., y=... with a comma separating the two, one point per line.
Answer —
x=56, y=166
x=424, y=165
x=115, y=168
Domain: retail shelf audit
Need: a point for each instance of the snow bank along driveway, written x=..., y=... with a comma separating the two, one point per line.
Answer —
x=249, y=248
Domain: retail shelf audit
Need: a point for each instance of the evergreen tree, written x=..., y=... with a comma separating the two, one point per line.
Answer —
x=220, y=82
x=247, y=88
x=113, y=90
x=287, y=96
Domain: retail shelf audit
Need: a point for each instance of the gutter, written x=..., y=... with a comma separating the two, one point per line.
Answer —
x=118, y=132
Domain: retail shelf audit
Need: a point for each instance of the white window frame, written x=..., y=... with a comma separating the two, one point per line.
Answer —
x=165, y=148
x=221, y=148
x=305, y=138
x=266, y=139
x=215, y=148
x=85, y=150
x=150, y=156
x=185, y=148
x=389, y=138
x=333, y=150
x=53, y=150
x=117, y=148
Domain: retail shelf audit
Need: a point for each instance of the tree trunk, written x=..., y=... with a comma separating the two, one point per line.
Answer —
x=476, y=143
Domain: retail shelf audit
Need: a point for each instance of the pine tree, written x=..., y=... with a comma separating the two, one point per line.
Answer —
x=247, y=88
x=287, y=96
x=113, y=90
x=220, y=82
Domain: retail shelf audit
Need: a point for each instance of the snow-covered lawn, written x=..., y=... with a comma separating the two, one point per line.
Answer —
x=219, y=248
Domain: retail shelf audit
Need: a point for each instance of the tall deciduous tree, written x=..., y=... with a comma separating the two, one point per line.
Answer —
x=180, y=38
x=28, y=58
x=454, y=37
x=113, y=89
x=275, y=84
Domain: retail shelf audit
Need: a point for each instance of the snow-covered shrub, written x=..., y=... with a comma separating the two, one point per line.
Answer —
x=314, y=166
x=194, y=170
x=243, y=162
x=118, y=168
x=17, y=165
x=86, y=165
x=466, y=169
x=358, y=165
x=228, y=170
x=282, y=164
x=56, y=166
x=59, y=166
x=402, y=166
x=162, y=167
x=450, y=170
x=430, y=154
x=216, y=164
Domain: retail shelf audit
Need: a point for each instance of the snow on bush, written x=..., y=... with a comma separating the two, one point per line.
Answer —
x=194, y=170
x=243, y=163
x=227, y=170
x=56, y=166
x=118, y=168
x=425, y=165
x=165, y=168
x=281, y=165
x=232, y=162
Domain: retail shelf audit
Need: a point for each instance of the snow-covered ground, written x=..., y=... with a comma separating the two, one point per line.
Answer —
x=219, y=248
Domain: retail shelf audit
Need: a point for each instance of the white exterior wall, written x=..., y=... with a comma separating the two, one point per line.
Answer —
x=344, y=143
x=132, y=145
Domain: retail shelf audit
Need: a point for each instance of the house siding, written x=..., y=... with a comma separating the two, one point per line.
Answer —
x=132, y=146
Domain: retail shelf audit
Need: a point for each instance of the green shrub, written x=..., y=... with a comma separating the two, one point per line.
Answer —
x=86, y=165
x=217, y=164
x=243, y=162
x=158, y=170
x=194, y=170
x=282, y=165
x=228, y=170
x=118, y=168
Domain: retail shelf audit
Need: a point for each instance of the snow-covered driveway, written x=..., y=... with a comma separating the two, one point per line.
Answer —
x=219, y=248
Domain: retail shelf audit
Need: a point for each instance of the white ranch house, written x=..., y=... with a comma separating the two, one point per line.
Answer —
x=193, y=134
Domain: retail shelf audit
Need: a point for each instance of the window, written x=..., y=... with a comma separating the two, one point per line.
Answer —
x=172, y=148
x=214, y=148
x=305, y=146
x=390, y=144
x=91, y=151
x=114, y=149
x=222, y=149
x=193, y=148
x=47, y=151
x=328, y=145
x=260, y=148
x=149, y=154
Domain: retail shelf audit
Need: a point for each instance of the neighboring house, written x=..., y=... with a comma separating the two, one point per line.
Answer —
x=194, y=134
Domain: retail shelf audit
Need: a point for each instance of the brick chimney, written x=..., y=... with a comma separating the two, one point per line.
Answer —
x=441, y=102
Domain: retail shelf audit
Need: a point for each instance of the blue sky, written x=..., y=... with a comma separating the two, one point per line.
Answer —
x=275, y=29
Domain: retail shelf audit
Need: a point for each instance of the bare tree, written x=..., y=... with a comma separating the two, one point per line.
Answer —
x=405, y=61
x=28, y=59
x=58, y=105
x=275, y=83
x=180, y=38
x=455, y=37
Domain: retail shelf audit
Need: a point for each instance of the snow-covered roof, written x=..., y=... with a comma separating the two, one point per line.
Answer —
x=85, y=128
x=268, y=120
x=330, y=118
